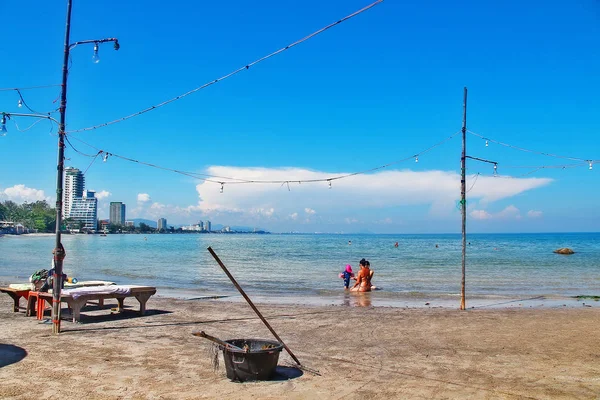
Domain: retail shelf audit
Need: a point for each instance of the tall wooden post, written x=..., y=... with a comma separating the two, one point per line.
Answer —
x=463, y=199
x=59, y=251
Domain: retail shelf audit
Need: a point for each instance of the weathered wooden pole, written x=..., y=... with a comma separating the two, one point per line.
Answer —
x=59, y=250
x=239, y=288
x=463, y=199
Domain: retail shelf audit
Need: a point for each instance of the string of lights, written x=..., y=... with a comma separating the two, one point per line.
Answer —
x=487, y=140
x=243, y=68
x=106, y=155
x=228, y=180
x=30, y=87
x=22, y=103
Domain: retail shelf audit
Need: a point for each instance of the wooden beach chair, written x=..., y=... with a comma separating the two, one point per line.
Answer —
x=77, y=298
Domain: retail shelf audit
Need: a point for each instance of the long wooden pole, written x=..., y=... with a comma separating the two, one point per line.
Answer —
x=463, y=200
x=59, y=251
x=239, y=288
x=217, y=340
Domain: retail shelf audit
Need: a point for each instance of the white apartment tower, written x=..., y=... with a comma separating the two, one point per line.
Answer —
x=85, y=210
x=73, y=187
x=162, y=224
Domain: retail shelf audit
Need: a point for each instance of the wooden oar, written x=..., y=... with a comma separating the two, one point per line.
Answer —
x=239, y=288
x=217, y=340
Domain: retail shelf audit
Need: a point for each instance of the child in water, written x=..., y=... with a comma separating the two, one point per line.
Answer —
x=346, y=275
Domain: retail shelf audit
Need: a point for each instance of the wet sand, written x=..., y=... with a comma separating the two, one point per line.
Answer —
x=360, y=352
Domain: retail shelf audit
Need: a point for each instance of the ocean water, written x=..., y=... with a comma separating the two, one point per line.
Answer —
x=500, y=267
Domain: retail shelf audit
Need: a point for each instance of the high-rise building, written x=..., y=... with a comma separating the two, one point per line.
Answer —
x=161, y=224
x=208, y=226
x=85, y=210
x=73, y=187
x=200, y=225
x=117, y=213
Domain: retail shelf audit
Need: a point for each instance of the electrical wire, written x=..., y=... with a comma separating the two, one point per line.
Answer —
x=524, y=149
x=93, y=160
x=476, y=176
x=29, y=108
x=245, y=67
x=228, y=180
x=29, y=127
x=30, y=87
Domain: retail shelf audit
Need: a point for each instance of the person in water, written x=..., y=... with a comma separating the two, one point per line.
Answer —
x=346, y=275
x=363, y=279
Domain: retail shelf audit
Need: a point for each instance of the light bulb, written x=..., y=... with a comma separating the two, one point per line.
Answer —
x=3, y=130
x=105, y=157
x=95, y=57
x=486, y=143
x=591, y=165
x=20, y=103
x=495, y=169
x=222, y=187
x=417, y=159
x=329, y=184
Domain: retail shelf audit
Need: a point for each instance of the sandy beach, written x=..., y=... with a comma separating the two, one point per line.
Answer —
x=359, y=352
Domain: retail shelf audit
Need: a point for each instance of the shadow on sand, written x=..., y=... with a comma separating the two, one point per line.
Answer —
x=10, y=354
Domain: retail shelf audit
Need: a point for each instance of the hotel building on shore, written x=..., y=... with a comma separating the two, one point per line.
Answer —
x=162, y=224
x=117, y=213
x=85, y=210
x=73, y=188
x=79, y=205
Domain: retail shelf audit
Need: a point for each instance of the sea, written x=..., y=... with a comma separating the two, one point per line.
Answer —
x=518, y=270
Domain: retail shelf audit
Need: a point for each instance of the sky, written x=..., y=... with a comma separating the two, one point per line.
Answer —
x=381, y=87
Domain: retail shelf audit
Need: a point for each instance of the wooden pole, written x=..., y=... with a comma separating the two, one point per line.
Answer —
x=239, y=288
x=463, y=199
x=59, y=251
x=217, y=340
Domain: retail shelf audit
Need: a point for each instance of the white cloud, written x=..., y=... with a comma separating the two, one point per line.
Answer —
x=252, y=203
x=102, y=194
x=480, y=214
x=534, y=214
x=143, y=197
x=510, y=212
x=21, y=194
x=437, y=189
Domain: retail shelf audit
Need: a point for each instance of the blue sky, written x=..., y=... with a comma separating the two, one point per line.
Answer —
x=382, y=86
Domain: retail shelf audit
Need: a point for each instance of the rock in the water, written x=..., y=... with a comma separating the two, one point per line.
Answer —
x=564, y=250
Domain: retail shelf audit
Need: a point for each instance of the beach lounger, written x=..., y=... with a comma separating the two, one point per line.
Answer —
x=77, y=298
x=18, y=290
x=16, y=295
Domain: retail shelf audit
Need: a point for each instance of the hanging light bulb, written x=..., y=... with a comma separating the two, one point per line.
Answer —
x=495, y=169
x=417, y=159
x=591, y=165
x=20, y=103
x=222, y=185
x=329, y=184
x=3, y=130
x=486, y=143
x=105, y=157
x=95, y=57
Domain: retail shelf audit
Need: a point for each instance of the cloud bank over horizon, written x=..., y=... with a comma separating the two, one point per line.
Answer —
x=384, y=198
x=350, y=201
